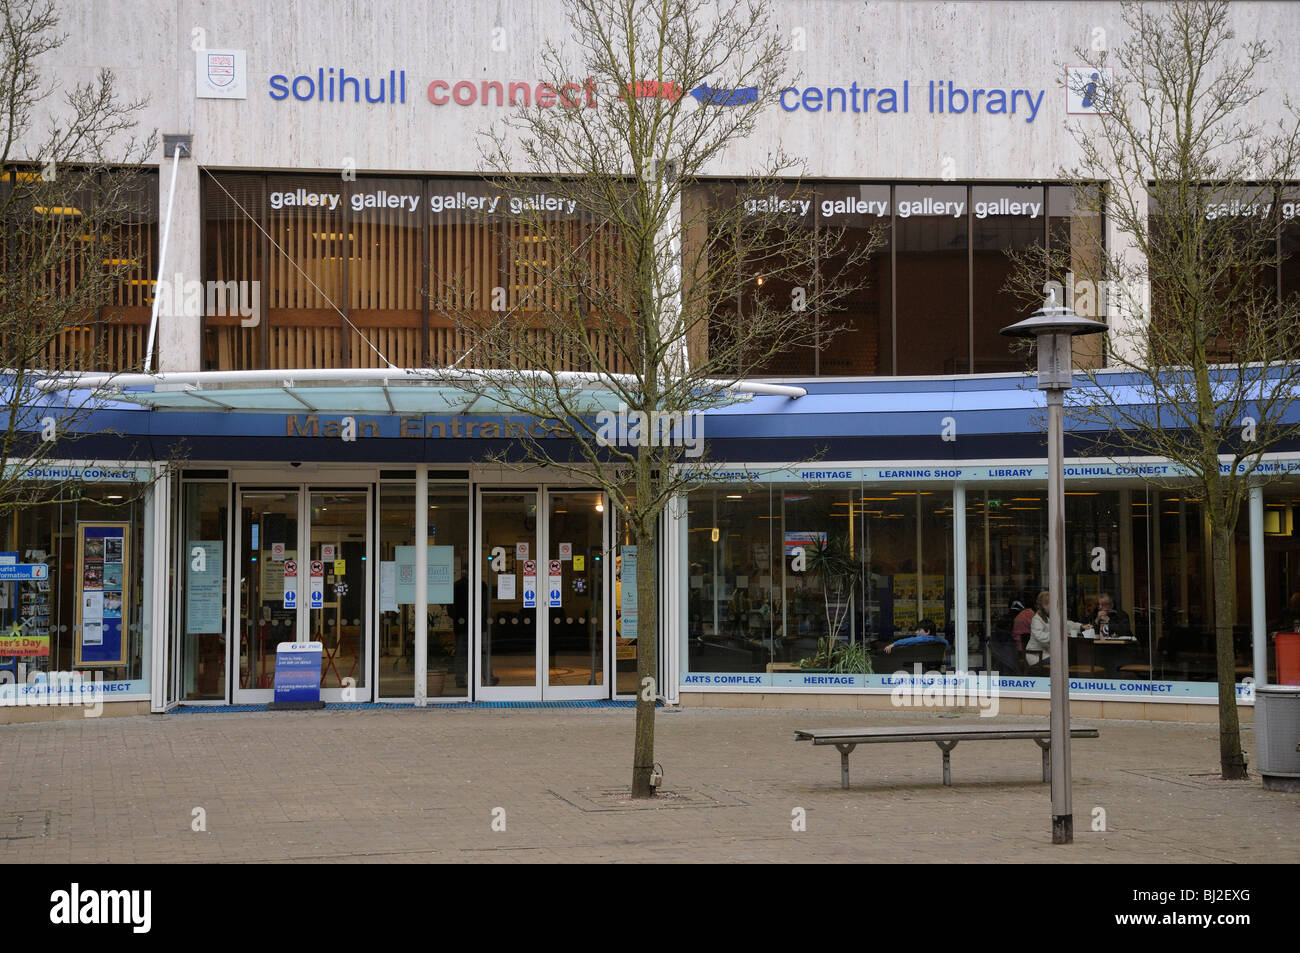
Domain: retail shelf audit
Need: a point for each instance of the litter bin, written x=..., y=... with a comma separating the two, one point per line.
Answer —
x=1287, y=646
x=1277, y=729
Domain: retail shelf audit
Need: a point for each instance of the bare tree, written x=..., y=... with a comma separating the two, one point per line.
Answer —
x=639, y=293
x=70, y=192
x=1193, y=186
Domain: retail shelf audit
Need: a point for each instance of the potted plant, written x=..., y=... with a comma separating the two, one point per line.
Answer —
x=832, y=564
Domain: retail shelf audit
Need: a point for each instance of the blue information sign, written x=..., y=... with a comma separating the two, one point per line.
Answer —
x=297, y=671
x=23, y=572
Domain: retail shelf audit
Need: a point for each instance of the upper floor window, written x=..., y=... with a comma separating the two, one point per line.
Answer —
x=1224, y=270
x=932, y=299
x=77, y=267
x=382, y=269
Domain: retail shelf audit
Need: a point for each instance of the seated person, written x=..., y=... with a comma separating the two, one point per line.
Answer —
x=924, y=633
x=1109, y=622
x=1007, y=638
x=1089, y=606
x=1021, y=625
x=1040, y=638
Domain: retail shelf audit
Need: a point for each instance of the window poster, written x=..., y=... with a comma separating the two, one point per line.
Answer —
x=627, y=616
x=103, y=581
x=272, y=573
x=205, y=587
x=439, y=574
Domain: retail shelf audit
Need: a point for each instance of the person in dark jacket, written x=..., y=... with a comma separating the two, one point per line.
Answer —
x=1109, y=622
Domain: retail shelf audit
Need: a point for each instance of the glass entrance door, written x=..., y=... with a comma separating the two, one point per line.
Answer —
x=268, y=540
x=508, y=638
x=336, y=590
x=540, y=583
x=575, y=630
x=303, y=574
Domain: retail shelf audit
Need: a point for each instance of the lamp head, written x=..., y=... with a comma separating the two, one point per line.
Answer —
x=1052, y=326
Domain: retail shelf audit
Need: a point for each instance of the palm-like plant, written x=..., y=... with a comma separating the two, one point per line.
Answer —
x=838, y=571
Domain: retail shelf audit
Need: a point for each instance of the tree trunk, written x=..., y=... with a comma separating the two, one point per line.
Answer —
x=647, y=657
x=647, y=662
x=1231, y=760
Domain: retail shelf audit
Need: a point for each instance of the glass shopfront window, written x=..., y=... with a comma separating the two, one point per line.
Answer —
x=85, y=614
x=1006, y=537
x=730, y=582
x=1174, y=588
x=1281, y=569
x=783, y=575
x=1139, y=598
x=788, y=578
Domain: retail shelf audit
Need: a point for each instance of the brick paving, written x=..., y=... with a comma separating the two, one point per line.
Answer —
x=419, y=786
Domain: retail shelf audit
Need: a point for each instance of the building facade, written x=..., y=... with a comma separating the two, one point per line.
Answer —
x=330, y=211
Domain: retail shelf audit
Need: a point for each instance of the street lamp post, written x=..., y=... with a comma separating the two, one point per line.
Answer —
x=1053, y=327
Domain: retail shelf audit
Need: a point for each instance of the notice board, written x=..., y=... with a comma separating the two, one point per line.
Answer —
x=103, y=581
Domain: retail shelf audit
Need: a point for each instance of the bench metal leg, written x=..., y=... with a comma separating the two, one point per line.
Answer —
x=1047, y=758
x=844, y=751
x=946, y=747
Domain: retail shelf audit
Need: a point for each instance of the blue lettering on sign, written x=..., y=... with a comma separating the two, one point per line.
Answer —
x=290, y=598
x=722, y=679
x=327, y=87
x=715, y=96
x=23, y=572
x=945, y=98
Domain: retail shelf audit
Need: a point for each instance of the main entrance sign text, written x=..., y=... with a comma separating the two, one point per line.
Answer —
x=478, y=427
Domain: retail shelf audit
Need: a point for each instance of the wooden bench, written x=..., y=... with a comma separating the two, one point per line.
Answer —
x=946, y=737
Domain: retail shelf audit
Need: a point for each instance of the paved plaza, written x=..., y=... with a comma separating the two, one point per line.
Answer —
x=392, y=785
